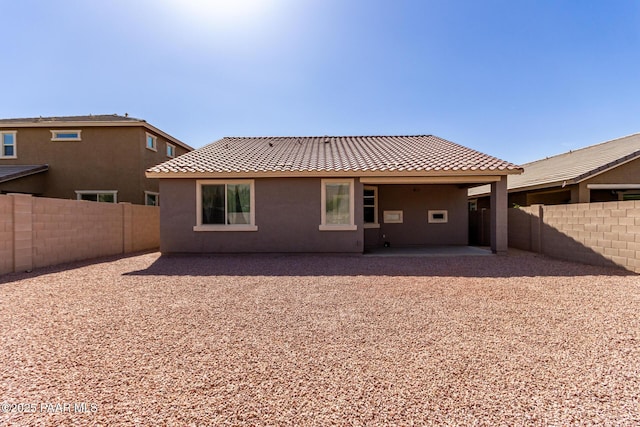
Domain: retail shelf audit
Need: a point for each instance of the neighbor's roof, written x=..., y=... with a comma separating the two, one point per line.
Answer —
x=335, y=155
x=10, y=172
x=65, y=119
x=90, y=120
x=572, y=167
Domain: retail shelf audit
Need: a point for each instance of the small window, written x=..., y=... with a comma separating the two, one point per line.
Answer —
x=337, y=205
x=473, y=205
x=152, y=142
x=66, y=135
x=225, y=206
x=107, y=196
x=393, y=217
x=370, y=207
x=438, y=216
x=171, y=150
x=8, y=149
x=151, y=198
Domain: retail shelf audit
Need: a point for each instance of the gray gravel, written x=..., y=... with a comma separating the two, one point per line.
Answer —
x=321, y=340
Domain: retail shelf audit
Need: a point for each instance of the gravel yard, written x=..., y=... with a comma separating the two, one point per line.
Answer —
x=320, y=340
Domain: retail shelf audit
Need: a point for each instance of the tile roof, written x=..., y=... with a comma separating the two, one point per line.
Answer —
x=332, y=154
x=10, y=172
x=573, y=166
x=89, y=118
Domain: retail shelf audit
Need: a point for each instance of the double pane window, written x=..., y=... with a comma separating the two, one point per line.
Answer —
x=8, y=148
x=337, y=205
x=98, y=196
x=225, y=205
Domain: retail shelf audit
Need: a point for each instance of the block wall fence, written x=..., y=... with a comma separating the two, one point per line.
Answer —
x=606, y=234
x=38, y=232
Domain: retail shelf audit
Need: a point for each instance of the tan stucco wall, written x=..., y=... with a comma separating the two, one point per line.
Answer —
x=107, y=158
x=287, y=213
x=415, y=201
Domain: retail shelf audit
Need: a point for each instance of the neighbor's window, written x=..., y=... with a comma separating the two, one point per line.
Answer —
x=66, y=135
x=337, y=205
x=107, y=196
x=152, y=142
x=171, y=150
x=370, y=207
x=151, y=198
x=8, y=149
x=225, y=206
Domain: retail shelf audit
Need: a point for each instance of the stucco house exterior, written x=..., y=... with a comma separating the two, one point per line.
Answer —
x=96, y=157
x=325, y=194
x=609, y=171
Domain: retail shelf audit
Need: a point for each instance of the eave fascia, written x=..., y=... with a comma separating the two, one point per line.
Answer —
x=471, y=177
x=35, y=171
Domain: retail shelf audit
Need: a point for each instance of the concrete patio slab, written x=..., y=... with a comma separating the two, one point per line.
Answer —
x=429, y=251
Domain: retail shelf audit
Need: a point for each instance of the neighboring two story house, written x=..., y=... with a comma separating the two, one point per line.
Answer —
x=100, y=158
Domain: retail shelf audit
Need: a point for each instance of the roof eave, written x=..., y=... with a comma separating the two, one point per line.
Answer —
x=324, y=174
x=36, y=170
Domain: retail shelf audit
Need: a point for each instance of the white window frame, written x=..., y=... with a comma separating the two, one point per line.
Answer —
x=434, y=220
x=323, y=206
x=173, y=150
x=152, y=193
x=15, y=144
x=376, y=221
x=154, y=138
x=79, y=194
x=55, y=137
x=225, y=227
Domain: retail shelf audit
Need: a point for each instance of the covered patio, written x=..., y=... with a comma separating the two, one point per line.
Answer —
x=419, y=214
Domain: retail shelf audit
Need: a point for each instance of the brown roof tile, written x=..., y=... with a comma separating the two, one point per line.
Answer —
x=422, y=153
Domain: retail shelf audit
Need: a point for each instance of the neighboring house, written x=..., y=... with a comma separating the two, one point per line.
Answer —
x=604, y=172
x=325, y=194
x=100, y=158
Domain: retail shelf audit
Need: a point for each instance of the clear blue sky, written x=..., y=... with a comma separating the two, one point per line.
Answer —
x=518, y=79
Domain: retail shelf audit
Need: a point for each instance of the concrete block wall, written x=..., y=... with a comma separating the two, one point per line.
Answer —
x=38, y=232
x=65, y=230
x=593, y=233
x=6, y=234
x=146, y=223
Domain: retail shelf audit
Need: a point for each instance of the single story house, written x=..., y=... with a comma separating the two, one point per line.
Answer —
x=325, y=194
x=604, y=172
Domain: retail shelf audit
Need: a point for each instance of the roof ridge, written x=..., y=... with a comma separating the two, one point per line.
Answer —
x=328, y=136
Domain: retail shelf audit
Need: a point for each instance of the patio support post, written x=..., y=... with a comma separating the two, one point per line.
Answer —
x=499, y=213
